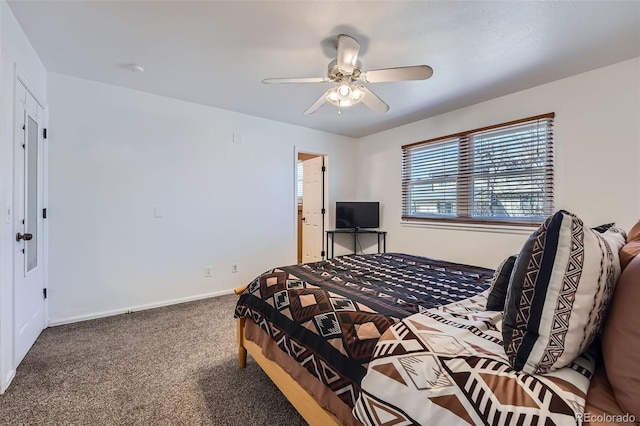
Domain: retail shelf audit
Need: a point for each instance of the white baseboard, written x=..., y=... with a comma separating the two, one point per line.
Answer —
x=95, y=315
x=7, y=380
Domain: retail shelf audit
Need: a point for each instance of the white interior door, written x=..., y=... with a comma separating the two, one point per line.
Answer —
x=29, y=318
x=312, y=218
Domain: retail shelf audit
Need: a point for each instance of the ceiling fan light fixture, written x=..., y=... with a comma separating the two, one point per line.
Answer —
x=357, y=94
x=344, y=95
x=344, y=90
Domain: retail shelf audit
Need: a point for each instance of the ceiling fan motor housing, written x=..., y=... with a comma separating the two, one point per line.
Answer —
x=334, y=73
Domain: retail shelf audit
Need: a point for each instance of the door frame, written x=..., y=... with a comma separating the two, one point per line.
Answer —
x=297, y=150
x=7, y=308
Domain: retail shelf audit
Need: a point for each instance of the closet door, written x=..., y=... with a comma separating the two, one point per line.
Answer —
x=29, y=304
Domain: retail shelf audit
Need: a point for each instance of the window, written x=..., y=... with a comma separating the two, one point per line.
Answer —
x=299, y=182
x=500, y=174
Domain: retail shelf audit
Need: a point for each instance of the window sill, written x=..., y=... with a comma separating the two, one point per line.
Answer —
x=490, y=228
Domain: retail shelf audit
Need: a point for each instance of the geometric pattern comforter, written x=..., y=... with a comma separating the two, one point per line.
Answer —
x=329, y=315
x=447, y=366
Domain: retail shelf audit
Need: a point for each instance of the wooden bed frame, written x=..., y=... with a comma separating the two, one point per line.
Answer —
x=301, y=400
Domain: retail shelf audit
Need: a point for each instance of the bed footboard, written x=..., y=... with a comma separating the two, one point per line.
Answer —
x=301, y=400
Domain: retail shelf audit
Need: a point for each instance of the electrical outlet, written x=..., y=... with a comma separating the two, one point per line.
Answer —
x=208, y=271
x=234, y=268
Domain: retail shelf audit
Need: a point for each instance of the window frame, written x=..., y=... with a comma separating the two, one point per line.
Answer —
x=465, y=175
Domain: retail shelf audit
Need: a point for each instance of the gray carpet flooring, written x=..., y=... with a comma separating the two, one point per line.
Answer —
x=175, y=365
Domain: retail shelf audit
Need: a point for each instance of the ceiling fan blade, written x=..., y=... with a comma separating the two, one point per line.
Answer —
x=317, y=104
x=418, y=72
x=295, y=80
x=348, y=48
x=372, y=100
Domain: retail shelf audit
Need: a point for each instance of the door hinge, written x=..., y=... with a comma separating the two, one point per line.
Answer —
x=44, y=133
x=24, y=127
x=44, y=213
x=323, y=211
x=23, y=147
x=324, y=169
x=44, y=292
x=322, y=253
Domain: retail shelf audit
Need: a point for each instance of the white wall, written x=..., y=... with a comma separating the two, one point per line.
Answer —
x=16, y=53
x=597, y=146
x=117, y=153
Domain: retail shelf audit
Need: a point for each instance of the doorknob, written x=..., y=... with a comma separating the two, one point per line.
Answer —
x=25, y=237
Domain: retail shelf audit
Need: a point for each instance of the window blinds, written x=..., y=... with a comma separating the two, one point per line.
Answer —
x=497, y=174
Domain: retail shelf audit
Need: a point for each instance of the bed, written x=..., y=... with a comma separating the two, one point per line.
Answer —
x=313, y=327
x=400, y=339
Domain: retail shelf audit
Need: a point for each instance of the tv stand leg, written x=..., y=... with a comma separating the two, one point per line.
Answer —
x=355, y=240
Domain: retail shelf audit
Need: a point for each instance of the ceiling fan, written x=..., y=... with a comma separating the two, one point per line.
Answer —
x=347, y=73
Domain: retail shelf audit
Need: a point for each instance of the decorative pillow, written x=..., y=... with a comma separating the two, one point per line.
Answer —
x=604, y=227
x=621, y=340
x=558, y=293
x=499, y=284
x=632, y=248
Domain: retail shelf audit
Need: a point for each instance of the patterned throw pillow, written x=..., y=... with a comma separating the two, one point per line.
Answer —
x=604, y=227
x=499, y=284
x=558, y=293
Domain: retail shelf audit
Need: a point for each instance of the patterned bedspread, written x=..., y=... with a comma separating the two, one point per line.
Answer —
x=447, y=366
x=329, y=315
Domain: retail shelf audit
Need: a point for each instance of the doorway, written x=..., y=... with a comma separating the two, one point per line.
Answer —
x=311, y=195
x=29, y=317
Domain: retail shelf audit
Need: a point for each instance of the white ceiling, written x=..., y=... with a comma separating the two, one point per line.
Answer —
x=216, y=53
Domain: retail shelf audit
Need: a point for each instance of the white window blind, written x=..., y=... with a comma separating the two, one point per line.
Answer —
x=299, y=181
x=497, y=174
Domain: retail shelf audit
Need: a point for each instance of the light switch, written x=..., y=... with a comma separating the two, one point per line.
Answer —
x=157, y=212
x=237, y=138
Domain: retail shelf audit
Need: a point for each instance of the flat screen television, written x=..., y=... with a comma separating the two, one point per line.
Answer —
x=357, y=214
